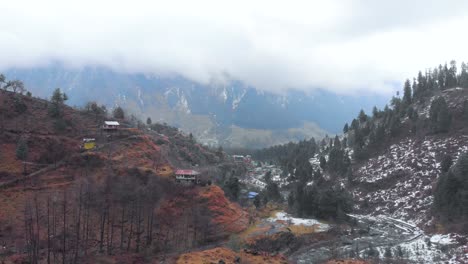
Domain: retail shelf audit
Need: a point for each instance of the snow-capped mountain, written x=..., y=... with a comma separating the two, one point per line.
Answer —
x=231, y=113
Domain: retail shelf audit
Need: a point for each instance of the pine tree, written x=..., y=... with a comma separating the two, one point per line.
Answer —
x=22, y=149
x=441, y=77
x=354, y=124
x=375, y=112
x=463, y=79
x=119, y=113
x=415, y=89
x=452, y=75
x=57, y=97
x=323, y=162
x=148, y=121
x=57, y=100
x=407, y=93
x=362, y=116
x=257, y=201
x=465, y=111
x=439, y=115
x=446, y=163
x=345, y=128
x=388, y=252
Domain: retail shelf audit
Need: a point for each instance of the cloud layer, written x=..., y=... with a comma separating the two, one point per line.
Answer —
x=342, y=46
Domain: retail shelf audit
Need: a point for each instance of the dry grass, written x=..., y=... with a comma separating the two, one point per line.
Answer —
x=225, y=213
x=302, y=229
x=228, y=256
x=8, y=161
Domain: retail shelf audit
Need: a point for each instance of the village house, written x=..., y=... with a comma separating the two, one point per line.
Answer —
x=187, y=176
x=110, y=125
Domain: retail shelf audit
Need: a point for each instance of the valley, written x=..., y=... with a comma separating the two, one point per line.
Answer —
x=93, y=185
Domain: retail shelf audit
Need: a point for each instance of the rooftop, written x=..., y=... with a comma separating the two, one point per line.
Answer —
x=186, y=172
x=112, y=123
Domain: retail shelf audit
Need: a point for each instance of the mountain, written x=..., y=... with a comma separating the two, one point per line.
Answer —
x=399, y=176
x=232, y=114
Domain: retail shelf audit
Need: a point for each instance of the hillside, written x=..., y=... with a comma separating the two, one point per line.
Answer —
x=397, y=176
x=62, y=202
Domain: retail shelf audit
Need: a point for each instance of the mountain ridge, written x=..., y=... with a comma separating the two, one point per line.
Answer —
x=209, y=111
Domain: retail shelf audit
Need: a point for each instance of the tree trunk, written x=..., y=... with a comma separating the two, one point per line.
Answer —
x=48, y=229
x=64, y=253
x=78, y=226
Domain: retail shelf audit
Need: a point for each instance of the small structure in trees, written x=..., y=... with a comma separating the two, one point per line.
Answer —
x=238, y=158
x=191, y=177
x=187, y=176
x=252, y=195
x=110, y=125
x=89, y=143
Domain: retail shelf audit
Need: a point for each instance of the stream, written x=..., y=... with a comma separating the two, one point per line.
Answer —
x=369, y=232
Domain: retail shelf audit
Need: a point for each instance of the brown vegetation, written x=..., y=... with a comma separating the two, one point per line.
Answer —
x=228, y=256
x=115, y=200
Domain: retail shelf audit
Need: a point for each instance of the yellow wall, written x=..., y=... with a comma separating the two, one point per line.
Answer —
x=89, y=145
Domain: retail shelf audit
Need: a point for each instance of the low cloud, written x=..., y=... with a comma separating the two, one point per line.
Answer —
x=342, y=46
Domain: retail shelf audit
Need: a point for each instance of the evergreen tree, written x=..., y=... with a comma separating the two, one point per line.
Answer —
x=257, y=201
x=148, y=121
x=57, y=97
x=362, y=116
x=57, y=100
x=388, y=253
x=118, y=113
x=414, y=87
x=22, y=149
x=446, y=163
x=375, y=112
x=465, y=111
x=323, y=162
x=2, y=81
x=451, y=80
x=272, y=192
x=439, y=115
x=291, y=200
x=463, y=79
x=407, y=93
x=232, y=188
x=451, y=192
x=421, y=84
x=345, y=128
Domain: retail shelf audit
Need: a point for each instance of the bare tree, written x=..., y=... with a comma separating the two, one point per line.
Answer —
x=16, y=86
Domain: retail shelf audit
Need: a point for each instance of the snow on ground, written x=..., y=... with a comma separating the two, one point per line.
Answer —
x=426, y=249
x=398, y=184
x=401, y=179
x=315, y=162
x=282, y=216
x=256, y=176
x=443, y=239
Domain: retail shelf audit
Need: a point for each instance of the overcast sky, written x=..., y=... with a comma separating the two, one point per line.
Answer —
x=343, y=46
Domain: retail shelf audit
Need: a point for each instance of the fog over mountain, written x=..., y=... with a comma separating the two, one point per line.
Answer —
x=227, y=113
x=346, y=47
x=214, y=67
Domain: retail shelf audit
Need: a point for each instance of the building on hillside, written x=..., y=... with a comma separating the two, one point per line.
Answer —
x=238, y=158
x=89, y=143
x=252, y=195
x=110, y=125
x=187, y=176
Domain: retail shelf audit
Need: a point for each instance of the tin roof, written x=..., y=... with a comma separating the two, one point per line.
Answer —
x=186, y=172
x=111, y=123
